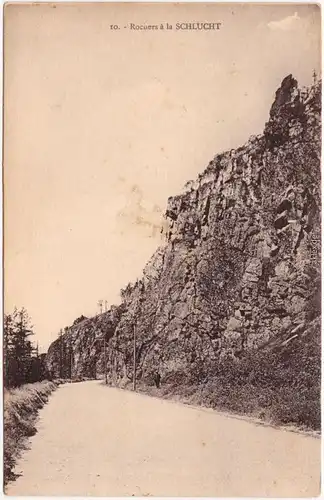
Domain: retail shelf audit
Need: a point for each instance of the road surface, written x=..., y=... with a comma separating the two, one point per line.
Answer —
x=100, y=441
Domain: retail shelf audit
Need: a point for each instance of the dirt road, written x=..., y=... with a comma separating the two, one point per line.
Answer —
x=98, y=441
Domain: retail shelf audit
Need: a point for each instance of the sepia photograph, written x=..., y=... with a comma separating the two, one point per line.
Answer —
x=162, y=249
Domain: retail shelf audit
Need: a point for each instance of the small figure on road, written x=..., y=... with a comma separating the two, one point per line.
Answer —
x=157, y=379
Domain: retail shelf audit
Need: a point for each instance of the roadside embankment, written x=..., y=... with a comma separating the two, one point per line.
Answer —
x=279, y=384
x=21, y=406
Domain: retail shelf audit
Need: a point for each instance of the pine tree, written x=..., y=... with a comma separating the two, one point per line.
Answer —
x=22, y=346
x=17, y=348
x=8, y=358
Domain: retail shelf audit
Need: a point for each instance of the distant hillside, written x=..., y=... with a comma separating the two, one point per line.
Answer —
x=227, y=311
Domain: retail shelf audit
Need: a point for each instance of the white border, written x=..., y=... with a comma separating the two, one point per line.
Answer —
x=320, y=3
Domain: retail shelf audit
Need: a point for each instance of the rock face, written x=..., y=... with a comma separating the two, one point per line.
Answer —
x=240, y=265
x=78, y=350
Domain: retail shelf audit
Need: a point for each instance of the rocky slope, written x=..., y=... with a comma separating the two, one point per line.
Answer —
x=240, y=266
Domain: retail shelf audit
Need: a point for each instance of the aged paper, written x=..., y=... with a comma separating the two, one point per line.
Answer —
x=162, y=249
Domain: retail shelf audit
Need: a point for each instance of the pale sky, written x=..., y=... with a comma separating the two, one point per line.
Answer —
x=102, y=126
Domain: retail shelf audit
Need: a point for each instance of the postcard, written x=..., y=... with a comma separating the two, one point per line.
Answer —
x=162, y=249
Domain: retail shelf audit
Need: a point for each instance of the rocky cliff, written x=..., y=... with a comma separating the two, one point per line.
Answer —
x=240, y=265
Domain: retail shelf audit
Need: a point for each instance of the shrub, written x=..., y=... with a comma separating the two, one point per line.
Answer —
x=280, y=384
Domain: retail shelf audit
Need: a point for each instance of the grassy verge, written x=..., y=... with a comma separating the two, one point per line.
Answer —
x=21, y=406
x=277, y=408
x=280, y=384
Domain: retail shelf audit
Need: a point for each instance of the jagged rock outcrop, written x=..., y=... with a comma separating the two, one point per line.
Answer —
x=240, y=265
x=78, y=351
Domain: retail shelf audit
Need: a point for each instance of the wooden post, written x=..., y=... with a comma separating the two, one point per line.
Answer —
x=134, y=360
x=6, y=354
x=105, y=360
x=71, y=361
x=61, y=353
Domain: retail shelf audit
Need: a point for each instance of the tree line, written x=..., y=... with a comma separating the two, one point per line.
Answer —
x=22, y=362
